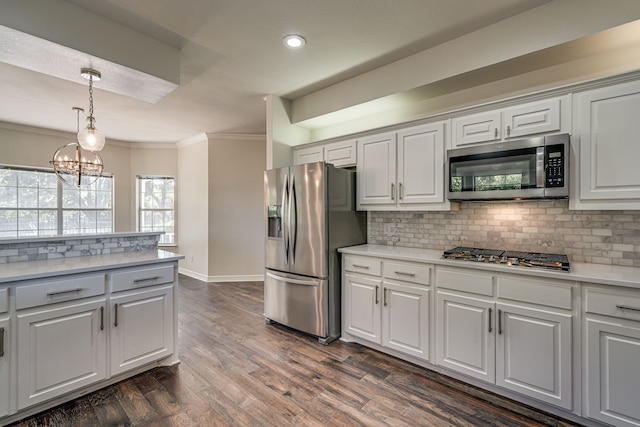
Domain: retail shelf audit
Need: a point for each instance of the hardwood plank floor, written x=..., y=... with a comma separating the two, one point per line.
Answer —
x=237, y=371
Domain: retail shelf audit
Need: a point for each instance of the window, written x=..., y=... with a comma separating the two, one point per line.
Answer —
x=33, y=203
x=156, y=206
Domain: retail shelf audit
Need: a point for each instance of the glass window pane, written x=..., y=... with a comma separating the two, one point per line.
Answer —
x=8, y=197
x=71, y=222
x=48, y=221
x=28, y=222
x=9, y=221
x=8, y=177
x=28, y=179
x=48, y=198
x=28, y=197
x=70, y=198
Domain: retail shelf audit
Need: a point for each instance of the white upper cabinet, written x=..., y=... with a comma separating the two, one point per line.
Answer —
x=606, y=149
x=533, y=118
x=339, y=154
x=402, y=170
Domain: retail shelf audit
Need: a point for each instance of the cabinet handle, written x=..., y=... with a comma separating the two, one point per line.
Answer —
x=393, y=191
x=508, y=131
x=404, y=273
x=377, y=299
x=115, y=321
x=626, y=307
x=495, y=133
x=102, y=318
x=1, y=342
x=490, y=320
x=145, y=279
x=499, y=322
x=70, y=291
x=400, y=191
x=384, y=296
x=361, y=266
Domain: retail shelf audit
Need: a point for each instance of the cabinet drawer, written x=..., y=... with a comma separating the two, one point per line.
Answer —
x=474, y=282
x=623, y=304
x=140, y=277
x=407, y=272
x=53, y=291
x=4, y=300
x=546, y=293
x=363, y=265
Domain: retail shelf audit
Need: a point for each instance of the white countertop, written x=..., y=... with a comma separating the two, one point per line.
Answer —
x=580, y=272
x=56, y=267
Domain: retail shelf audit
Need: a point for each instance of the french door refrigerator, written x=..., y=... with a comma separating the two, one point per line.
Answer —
x=309, y=214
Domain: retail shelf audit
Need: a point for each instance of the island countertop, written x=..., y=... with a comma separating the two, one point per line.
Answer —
x=12, y=272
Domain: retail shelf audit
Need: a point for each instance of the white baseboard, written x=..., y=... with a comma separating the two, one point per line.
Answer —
x=240, y=278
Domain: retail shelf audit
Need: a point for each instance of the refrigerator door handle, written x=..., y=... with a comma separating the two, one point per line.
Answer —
x=294, y=281
x=285, y=219
x=293, y=219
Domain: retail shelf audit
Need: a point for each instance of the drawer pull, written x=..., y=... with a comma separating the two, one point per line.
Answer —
x=1, y=342
x=499, y=322
x=102, y=318
x=115, y=321
x=146, y=279
x=404, y=273
x=70, y=291
x=377, y=299
x=360, y=266
x=490, y=320
x=626, y=307
x=384, y=294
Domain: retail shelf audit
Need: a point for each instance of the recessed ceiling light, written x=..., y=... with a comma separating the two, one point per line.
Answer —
x=294, y=41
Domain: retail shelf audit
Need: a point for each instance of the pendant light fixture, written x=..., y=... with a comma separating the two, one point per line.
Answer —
x=91, y=138
x=75, y=166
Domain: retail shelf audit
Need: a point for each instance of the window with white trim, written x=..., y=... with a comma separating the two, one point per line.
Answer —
x=156, y=206
x=34, y=203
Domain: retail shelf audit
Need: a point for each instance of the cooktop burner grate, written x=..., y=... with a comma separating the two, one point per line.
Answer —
x=515, y=258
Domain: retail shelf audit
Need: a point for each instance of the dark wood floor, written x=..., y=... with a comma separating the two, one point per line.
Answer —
x=235, y=370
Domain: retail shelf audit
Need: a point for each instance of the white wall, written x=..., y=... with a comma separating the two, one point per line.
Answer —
x=281, y=134
x=236, y=207
x=193, y=188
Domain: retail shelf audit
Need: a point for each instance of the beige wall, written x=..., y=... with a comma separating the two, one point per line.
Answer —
x=236, y=207
x=193, y=189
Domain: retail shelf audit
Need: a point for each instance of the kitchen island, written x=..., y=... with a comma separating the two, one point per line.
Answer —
x=78, y=313
x=564, y=342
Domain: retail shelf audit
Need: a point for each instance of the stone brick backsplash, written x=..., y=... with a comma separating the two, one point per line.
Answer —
x=601, y=237
x=74, y=246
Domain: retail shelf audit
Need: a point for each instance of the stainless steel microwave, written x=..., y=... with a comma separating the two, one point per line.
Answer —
x=534, y=168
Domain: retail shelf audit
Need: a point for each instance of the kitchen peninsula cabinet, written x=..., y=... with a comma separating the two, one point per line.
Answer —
x=387, y=303
x=5, y=356
x=605, y=144
x=533, y=118
x=402, y=170
x=507, y=330
x=612, y=341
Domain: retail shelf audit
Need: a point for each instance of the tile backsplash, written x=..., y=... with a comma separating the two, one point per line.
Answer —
x=601, y=237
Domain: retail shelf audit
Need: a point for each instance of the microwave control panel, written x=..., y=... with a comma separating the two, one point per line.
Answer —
x=554, y=166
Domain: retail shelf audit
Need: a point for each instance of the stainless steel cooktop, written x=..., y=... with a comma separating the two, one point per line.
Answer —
x=558, y=262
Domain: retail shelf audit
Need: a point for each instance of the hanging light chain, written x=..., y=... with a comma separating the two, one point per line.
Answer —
x=91, y=97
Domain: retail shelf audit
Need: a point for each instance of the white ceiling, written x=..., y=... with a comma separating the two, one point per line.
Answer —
x=231, y=56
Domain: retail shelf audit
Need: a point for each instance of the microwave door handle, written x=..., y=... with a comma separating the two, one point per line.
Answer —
x=285, y=219
x=540, y=168
x=293, y=219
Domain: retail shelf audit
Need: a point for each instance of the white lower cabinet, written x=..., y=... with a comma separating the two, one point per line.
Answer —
x=141, y=327
x=5, y=367
x=61, y=348
x=524, y=346
x=383, y=310
x=612, y=363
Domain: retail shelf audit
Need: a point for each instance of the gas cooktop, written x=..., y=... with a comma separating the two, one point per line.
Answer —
x=513, y=258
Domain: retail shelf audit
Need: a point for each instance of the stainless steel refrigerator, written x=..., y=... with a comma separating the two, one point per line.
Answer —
x=309, y=214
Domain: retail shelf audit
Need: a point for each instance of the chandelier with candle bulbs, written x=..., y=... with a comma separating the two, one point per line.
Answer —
x=75, y=166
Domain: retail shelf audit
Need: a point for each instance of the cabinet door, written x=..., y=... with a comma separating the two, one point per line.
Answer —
x=476, y=128
x=421, y=165
x=532, y=118
x=4, y=367
x=533, y=353
x=60, y=349
x=308, y=155
x=362, y=306
x=141, y=327
x=405, y=319
x=613, y=372
x=376, y=167
x=341, y=154
x=608, y=127
x=465, y=335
